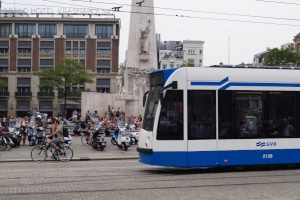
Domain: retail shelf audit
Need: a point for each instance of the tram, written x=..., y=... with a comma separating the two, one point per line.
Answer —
x=221, y=116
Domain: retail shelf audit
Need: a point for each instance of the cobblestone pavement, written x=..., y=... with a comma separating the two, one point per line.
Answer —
x=81, y=152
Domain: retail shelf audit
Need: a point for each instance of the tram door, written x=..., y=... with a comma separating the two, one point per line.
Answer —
x=201, y=122
x=170, y=130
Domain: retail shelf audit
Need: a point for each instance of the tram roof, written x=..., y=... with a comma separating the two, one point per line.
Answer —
x=254, y=67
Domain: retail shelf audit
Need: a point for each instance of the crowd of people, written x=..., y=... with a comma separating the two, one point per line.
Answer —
x=109, y=119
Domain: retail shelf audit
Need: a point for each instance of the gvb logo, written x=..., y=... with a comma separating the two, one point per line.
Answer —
x=266, y=144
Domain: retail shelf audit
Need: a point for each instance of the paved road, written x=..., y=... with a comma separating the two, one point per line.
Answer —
x=130, y=180
x=81, y=152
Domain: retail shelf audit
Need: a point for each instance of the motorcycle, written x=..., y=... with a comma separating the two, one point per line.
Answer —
x=32, y=139
x=98, y=140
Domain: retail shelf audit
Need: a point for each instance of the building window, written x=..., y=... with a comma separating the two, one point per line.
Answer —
x=46, y=64
x=3, y=65
x=191, y=61
x=104, y=31
x=68, y=47
x=191, y=51
x=25, y=30
x=23, y=85
x=4, y=90
x=24, y=65
x=24, y=47
x=103, y=66
x=103, y=48
x=45, y=89
x=47, y=47
x=5, y=30
x=164, y=66
x=47, y=30
x=82, y=61
x=75, y=30
x=4, y=47
x=46, y=106
x=75, y=47
x=82, y=47
x=201, y=52
x=103, y=85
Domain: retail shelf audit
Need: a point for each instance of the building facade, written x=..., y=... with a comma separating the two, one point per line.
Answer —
x=29, y=44
x=176, y=53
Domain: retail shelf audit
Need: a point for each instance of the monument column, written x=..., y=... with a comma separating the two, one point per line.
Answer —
x=141, y=57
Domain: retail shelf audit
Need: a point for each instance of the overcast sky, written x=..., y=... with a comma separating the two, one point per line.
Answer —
x=233, y=30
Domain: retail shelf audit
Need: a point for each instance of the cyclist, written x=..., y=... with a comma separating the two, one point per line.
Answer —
x=60, y=137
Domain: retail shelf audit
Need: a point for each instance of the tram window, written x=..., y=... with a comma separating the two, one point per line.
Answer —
x=282, y=114
x=170, y=124
x=201, y=114
x=258, y=114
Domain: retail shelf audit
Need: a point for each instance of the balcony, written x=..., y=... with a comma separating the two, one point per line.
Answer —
x=4, y=94
x=23, y=94
x=46, y=94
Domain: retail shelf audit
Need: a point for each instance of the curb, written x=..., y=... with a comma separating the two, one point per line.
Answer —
x=77, y=159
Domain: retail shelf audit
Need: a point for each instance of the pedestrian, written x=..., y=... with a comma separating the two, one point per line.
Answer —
x=24, y=124
x=77, y=129
x=11, y=123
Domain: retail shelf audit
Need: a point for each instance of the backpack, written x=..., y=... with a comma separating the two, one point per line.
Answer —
x=65, y=132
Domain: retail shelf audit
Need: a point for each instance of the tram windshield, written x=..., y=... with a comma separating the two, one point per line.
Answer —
x=150, y=108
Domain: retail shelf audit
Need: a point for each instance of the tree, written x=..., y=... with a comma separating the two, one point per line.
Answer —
x=281, y=57
x=2, y=83
x=187, y=64
x=66, y=74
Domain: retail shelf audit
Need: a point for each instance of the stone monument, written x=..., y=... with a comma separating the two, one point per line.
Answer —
x=141, y=57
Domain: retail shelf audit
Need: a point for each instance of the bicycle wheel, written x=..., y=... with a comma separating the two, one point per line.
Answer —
x=39, y=154
x=84, y=139
x=65, y=154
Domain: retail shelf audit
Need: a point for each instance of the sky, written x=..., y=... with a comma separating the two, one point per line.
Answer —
x=233, y=31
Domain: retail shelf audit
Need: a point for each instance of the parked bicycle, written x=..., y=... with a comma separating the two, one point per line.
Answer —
x=40, y=153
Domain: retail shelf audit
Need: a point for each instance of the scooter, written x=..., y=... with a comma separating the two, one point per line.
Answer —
x=40, y=135
x=32, y=139
x=98, y=140
x=123, y=141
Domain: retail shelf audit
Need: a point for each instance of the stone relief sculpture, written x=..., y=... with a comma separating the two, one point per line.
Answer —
x=119, y=84
x=139, y=80
x=144, y=40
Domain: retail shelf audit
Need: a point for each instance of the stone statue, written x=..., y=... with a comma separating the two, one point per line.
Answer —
x=119, y=84
x=144, y=40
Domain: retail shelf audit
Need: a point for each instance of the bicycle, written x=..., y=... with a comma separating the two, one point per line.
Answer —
x=64, y=154
x=85, y=137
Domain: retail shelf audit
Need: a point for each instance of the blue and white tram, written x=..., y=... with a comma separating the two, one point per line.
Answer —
x=221, y=116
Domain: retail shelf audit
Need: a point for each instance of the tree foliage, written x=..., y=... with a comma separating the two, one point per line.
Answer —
x=2, y=83
x=64, y=76
x=281, y=57
x=187, y=64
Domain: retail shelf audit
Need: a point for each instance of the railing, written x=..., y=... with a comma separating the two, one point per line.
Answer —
x=23, y=94
x=4, y=93
x=46, y=94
